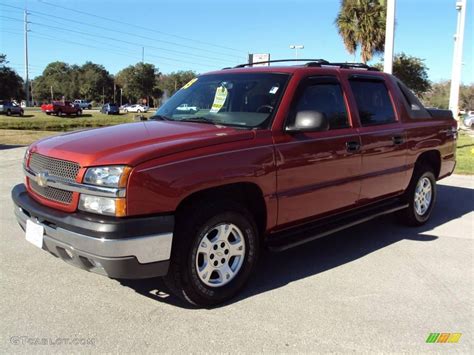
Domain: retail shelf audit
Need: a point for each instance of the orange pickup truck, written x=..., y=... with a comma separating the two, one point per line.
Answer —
x=272, y=156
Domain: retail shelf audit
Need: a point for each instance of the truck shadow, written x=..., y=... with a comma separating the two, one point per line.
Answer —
x=276, y=270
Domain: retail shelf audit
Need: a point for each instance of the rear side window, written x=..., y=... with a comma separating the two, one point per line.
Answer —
x=414, y=107
x=324, y=96
x=373, y=102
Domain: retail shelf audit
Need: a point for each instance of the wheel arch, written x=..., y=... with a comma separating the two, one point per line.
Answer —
x=431, y=158
x=247, y=193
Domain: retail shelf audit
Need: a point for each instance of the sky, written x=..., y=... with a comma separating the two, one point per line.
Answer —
x=205, y=35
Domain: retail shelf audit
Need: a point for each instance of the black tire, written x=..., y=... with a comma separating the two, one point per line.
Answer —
x=59, y=113
x=182, y=278
x=139, y=111
x=21, y=113
x=89, y=107
x=79, y=113
x=410, y=216
x=9, y=112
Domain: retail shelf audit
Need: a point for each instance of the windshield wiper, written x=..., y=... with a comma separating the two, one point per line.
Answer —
x=198, y=119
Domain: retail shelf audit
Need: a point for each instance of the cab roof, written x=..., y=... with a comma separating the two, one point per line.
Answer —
x=303, y=64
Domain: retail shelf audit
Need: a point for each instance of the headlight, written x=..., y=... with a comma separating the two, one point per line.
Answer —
x=110, y=176
x=103, y=205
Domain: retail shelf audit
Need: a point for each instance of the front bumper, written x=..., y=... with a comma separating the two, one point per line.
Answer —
x=130, y=248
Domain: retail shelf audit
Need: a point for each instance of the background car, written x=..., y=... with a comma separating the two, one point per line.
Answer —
x=110, y=109
x=136, y=108
x=10, y=108
x=469, y=121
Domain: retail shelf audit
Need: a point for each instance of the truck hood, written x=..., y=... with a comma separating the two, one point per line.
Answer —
x=134, y=143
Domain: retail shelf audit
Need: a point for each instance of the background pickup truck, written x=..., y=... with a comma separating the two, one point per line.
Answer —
x=83, y=104
x=59, y=108
x=278, y=156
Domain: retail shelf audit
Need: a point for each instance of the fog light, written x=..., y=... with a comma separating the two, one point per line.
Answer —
x=102, y=205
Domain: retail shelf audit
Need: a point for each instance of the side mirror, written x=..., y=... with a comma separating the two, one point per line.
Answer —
x=309, y=121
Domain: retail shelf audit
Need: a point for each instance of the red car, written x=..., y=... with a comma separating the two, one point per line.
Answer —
x=60, y=108
x=272, y=156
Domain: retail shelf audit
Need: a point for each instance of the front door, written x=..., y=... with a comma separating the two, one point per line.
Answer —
x=317, y=171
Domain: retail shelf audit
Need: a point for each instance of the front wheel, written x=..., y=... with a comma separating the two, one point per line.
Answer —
x=421, y=197
x=214, y=253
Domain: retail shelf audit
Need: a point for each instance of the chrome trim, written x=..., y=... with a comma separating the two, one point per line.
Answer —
x=73, y=186
x=147, y=249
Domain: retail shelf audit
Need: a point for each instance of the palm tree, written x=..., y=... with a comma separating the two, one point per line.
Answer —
x=361, y=24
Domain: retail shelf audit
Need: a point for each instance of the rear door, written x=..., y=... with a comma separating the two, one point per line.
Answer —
x=383, y=139
x=317, y=171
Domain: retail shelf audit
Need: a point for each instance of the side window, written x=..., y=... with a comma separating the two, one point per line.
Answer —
x=373, y=102
x=414, y=107
x=324, y=96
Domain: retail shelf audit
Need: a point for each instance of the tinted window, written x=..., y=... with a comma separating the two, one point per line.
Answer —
x=373, y=102
x=414, y=107
x=324, y=96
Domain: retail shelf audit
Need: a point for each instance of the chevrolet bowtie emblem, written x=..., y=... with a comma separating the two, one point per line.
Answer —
x=42, y=178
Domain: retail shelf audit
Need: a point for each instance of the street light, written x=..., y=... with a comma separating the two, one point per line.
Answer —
x=296, y=47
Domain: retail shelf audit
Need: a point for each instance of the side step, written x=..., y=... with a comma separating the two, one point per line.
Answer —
x=308, y=232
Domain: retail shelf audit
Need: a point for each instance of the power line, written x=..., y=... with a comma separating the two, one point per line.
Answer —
x=105, y=37
x=131, y=34
x=141, y=27
x=136, y=44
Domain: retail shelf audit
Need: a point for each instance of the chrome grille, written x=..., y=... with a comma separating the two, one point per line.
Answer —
x=55, y=167
x=52, y=193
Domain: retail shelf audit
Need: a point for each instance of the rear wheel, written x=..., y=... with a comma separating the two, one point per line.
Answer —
x=59, y=113
x=9, y=112
x=214, y=253
x=421, y=196
x=139, y=111
x=79, y=113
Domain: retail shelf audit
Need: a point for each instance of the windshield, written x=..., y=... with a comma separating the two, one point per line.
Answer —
x=246, y=100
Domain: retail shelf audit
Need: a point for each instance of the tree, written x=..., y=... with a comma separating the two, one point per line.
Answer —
x=170, y=83
x=438, y=96
x=138, y=81
x=11, y=84
x=361, y=24
x=94, y=82
x=412, y=71
x=89, y=81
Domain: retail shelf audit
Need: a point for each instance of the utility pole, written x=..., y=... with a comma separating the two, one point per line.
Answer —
x=52, y=96
x=143, y=54
x=27, y=84
x=389, y=37
x=457, y=58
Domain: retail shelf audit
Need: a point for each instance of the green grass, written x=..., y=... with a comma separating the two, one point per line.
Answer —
x=37, y=120
x=22, y=137
x=465, y=154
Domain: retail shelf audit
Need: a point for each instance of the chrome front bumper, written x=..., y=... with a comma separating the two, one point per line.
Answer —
x=140, y=256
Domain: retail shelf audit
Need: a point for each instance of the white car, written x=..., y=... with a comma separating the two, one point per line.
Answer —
x=469, y=121
x=136, y=108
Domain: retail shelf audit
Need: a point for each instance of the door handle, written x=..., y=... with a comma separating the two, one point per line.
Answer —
x=397, y=140
x=352, y=146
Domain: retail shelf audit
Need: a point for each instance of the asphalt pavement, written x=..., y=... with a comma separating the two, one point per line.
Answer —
x=377, y=287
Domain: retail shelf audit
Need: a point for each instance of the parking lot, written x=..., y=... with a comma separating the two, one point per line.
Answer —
x=376, y=287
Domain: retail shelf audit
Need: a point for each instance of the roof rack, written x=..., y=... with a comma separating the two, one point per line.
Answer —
x=313, y=63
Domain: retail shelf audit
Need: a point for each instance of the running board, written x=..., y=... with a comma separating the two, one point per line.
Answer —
x=284, y=240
